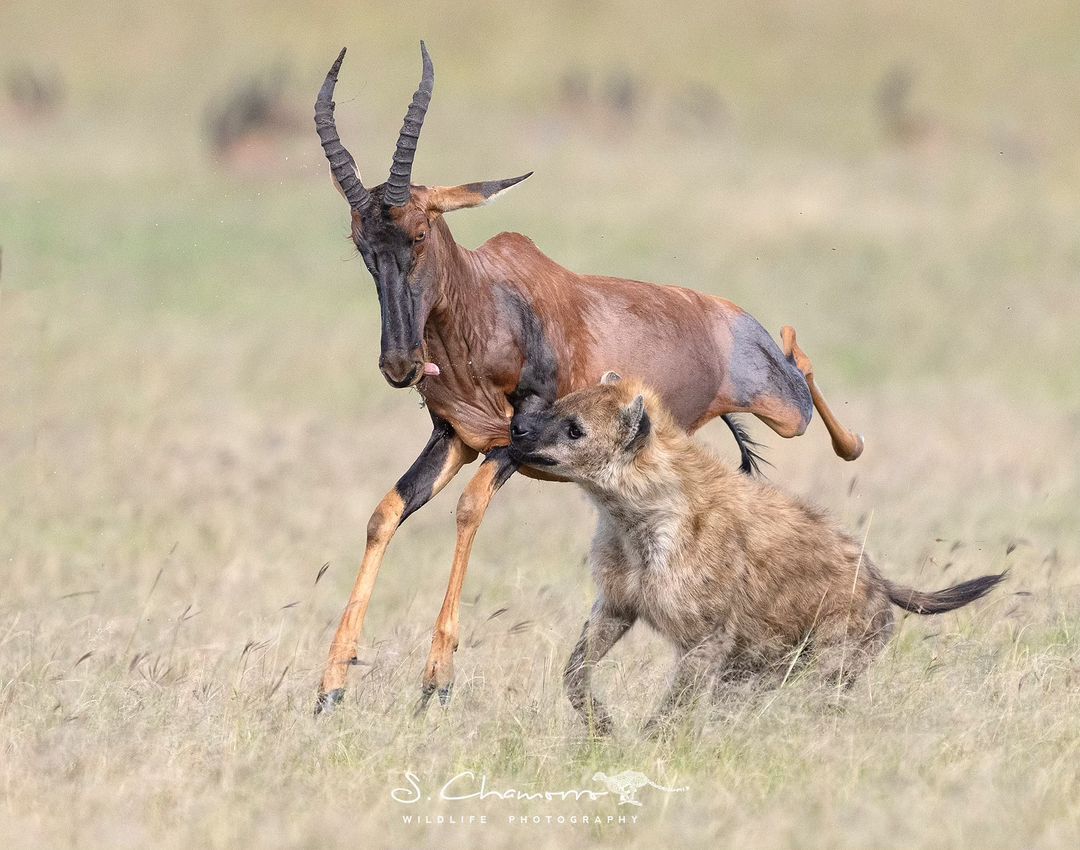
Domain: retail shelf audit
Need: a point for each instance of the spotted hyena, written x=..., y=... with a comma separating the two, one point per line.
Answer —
x=739, y=576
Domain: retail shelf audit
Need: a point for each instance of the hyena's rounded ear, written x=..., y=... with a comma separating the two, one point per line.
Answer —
x=610, y=377
x=636, y=424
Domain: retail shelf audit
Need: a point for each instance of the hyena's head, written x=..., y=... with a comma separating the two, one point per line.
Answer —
x=589, y=436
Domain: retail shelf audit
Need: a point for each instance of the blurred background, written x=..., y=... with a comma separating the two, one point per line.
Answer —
x=191, y=419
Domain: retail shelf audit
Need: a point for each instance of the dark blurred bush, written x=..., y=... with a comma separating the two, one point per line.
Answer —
x=251, y=114
x=34, y=91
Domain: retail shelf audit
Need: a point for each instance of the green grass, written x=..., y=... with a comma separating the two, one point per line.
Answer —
x=192, y=424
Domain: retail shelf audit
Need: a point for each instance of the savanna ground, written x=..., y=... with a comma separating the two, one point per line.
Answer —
x=192, y=423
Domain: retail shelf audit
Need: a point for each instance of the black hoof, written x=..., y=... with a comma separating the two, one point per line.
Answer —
x=427, y=692
x=425, y=698
x=326, y=703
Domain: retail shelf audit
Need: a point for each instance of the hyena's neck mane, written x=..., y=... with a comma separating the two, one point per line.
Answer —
x=675, y=469
x=651, y=523
x=648, y=489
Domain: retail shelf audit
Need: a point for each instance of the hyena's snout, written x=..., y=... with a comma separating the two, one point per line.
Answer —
x=529, y=437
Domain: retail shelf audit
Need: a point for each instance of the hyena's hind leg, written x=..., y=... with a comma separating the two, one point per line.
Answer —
x=848, y=642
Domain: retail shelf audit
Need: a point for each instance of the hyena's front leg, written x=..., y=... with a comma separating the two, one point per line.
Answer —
x=692, y=670
x=602, y=631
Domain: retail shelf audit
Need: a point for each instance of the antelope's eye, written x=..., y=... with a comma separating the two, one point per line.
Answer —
x=574, y=432
x=419, y=237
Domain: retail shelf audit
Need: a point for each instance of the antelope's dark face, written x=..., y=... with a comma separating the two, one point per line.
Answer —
x=396, y=229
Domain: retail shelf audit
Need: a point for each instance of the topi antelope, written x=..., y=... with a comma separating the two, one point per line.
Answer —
x=490, y=335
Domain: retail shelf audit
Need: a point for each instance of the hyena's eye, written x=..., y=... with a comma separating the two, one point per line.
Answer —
x=573, y=431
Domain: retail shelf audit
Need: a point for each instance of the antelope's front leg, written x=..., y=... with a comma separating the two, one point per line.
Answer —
x=473, y=504
x=602, y=631
x=439, y=462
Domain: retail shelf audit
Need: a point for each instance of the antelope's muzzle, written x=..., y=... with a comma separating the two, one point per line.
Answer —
x=401, y=368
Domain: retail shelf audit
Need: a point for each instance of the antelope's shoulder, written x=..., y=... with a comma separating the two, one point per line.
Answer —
x=517, y=258
x=509, y=244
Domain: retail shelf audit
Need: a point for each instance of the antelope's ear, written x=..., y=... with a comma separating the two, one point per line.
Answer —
x=445, y=199
x=636, y=424
x=610, y=378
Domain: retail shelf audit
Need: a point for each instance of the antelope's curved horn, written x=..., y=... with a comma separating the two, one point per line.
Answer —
x=397, y=186
x=342, y=165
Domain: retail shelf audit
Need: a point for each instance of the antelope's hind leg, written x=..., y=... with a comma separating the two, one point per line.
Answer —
x=437, y=464
x=471, y=507
x=846, y=443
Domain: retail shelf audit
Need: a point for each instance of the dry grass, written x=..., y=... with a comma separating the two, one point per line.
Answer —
x=191, y=426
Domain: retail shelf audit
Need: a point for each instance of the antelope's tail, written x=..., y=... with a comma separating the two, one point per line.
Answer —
x=918, y=602
x=749, y=448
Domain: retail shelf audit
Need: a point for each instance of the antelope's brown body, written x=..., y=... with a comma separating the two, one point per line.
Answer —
x=491, y=334
x=506, y=297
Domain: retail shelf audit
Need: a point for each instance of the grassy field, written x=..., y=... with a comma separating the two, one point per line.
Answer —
x=192, y=423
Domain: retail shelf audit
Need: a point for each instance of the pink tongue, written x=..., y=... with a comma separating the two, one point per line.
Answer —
x=431, y=369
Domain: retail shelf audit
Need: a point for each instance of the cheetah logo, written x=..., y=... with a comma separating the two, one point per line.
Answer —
x=628, y=783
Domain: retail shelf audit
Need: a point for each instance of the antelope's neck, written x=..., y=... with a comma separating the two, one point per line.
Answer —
x=463, y=337
x=464, y=286
x=464, y=313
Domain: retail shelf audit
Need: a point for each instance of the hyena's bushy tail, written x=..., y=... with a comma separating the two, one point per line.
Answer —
x=942, y=600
